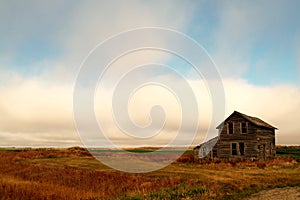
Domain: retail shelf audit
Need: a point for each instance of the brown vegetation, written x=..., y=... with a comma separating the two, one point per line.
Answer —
x=74, y=174
x=24, y=180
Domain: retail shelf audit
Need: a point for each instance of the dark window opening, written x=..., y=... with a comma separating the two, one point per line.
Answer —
x=242, y=149
x=233, y=149
x=244, y=127
x=230, y=128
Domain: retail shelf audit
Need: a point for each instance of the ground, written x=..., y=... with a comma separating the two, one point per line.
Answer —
x=287, y=193
x=74, y=174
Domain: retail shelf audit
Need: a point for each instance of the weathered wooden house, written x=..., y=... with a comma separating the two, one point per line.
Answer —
x=242, y=137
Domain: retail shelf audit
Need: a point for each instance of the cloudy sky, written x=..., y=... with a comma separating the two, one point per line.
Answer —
x=255, y=46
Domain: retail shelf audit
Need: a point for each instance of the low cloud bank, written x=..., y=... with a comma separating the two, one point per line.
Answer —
x=37, y=114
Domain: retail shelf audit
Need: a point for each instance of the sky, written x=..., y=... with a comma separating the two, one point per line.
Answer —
x=253, y=45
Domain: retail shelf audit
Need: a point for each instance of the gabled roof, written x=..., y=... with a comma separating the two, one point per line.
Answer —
x=256, y=121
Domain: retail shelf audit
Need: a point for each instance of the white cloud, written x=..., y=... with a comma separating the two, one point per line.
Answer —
x=38, y=109
x=297, y=44
x=139, y=106
x=71, y=30
x=40, y=105
x=93, y=22
x=33, y=109
x=243, y=30
x=38, y=114
x=278, y=105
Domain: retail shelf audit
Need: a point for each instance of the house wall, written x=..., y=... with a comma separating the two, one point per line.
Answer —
x=266, y=143
x=249, y=139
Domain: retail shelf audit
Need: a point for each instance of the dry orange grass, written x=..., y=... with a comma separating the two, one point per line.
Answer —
x=23, y=180
x=53, y=174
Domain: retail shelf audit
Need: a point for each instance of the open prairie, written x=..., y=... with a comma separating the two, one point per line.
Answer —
x=74, y=174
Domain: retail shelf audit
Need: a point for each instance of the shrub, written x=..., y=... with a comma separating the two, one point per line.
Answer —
x=187, y=158
x=261, y=165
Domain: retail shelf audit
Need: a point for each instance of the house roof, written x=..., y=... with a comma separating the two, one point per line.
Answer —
x=256, y=121
x=213, y=141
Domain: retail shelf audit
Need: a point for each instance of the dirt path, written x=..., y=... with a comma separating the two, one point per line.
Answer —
x=287, y=193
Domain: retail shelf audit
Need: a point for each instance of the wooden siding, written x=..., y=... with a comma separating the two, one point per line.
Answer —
x=258, y=142
x=266, y=143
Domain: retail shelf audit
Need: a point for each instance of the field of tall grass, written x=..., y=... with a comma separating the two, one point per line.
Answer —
x=74, y=174
x=292, y=151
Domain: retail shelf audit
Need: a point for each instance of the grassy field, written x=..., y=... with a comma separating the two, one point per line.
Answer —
x=74, y=174
x=292, y=151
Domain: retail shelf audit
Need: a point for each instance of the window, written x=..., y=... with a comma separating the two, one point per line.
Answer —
x=238, y=149
x=234, y=149
x=242, y=148
x=244, y=127
x=230, y=127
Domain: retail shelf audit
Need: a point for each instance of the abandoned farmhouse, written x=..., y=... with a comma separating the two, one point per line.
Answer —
x=240, y=136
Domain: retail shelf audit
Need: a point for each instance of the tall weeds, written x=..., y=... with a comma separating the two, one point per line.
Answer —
x=189, y=178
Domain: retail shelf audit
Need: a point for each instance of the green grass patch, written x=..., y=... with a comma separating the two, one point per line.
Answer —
x=289, y=155
x=288, y=151
x=11, y=149
x=140, y=150
x=181, y=192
